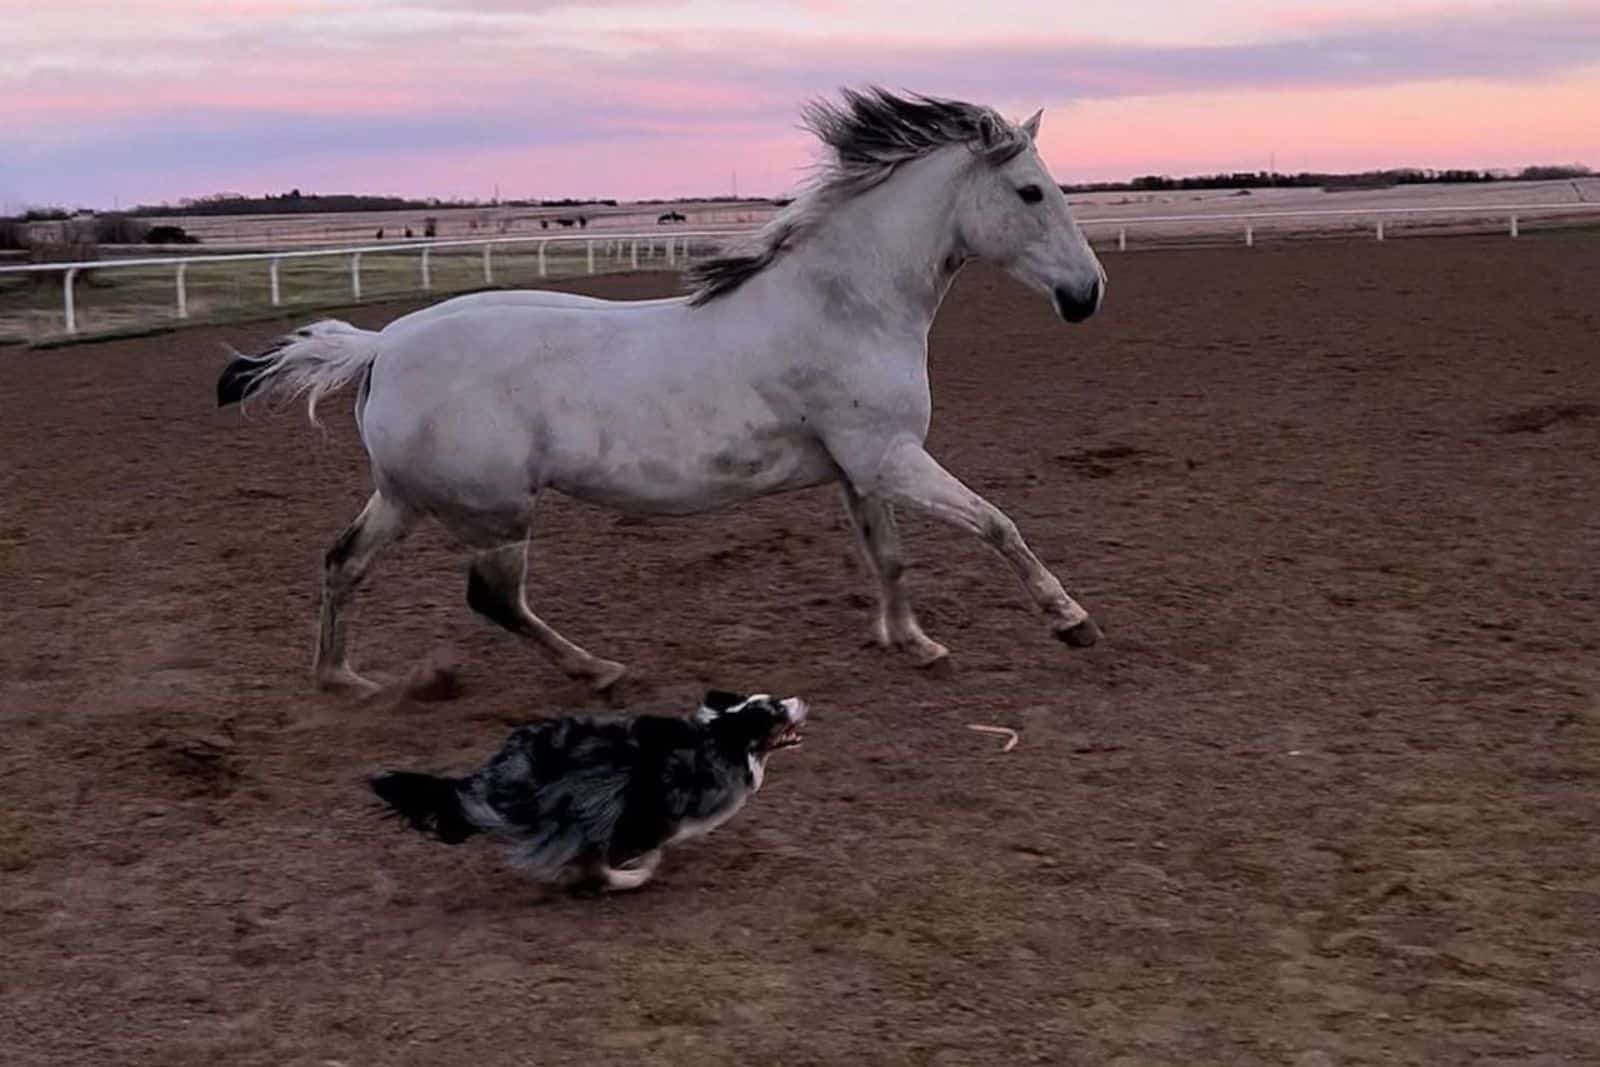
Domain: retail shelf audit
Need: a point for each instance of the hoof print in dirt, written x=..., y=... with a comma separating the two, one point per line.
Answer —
x=1100, y=462
x=204, y=765
x=436, y=679
x=1541, y=417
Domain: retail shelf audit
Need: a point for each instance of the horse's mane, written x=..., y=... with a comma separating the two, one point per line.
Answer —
x=866, y=136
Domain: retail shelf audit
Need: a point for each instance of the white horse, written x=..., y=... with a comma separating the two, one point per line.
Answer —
x=800, y=362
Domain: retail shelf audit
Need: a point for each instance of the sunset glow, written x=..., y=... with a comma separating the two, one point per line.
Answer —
x=151, y=100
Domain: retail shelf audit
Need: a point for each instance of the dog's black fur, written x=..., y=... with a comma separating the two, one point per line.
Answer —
x=594, y=799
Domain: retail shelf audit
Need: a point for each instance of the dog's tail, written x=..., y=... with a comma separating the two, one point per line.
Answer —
x=430, y=804
x=312, y=362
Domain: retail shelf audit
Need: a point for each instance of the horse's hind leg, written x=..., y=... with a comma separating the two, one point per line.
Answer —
x=496, y=590
x=380, y=523
x=879, y=539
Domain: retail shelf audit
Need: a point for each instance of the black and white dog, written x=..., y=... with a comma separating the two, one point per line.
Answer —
x=594, y=800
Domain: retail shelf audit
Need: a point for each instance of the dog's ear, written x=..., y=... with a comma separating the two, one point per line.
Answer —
x=716, y=702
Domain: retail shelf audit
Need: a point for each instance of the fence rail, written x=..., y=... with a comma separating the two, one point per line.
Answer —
x=676, y=245
x=1378, y=216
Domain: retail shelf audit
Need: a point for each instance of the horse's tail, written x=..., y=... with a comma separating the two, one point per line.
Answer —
x=312, y=362
x=428, y=803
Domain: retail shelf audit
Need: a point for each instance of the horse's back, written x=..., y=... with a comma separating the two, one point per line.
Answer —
x=528, y=299
x=498, y=393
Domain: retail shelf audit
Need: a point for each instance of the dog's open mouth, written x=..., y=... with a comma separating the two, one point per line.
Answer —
x=788, y=737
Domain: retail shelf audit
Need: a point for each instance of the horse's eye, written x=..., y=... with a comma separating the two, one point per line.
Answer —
x=1031, y=194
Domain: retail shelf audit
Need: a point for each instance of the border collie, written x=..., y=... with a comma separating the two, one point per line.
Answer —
x=592, y=801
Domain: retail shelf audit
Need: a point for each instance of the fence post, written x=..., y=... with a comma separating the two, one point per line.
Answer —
x=1122, y=239
x=427, y=275
x=272, y=270
x=183, y=292
x=1249, y=235
x=1380, y=229
x=488, y=271
x=541, y=258
x=355, y=275
x=589, y=249
x=69, y=305
x=1516, y=231
x=634, y=254
x=671, y=259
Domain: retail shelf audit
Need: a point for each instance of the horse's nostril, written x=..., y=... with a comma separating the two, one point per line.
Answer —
x=1076, y=308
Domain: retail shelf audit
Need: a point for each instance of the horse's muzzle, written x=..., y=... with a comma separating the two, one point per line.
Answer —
x=1076, y=308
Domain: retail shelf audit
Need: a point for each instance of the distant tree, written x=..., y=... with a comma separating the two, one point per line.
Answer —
x=1554, y=172
x=167, y=234
x=118, y=229
x=13, y=235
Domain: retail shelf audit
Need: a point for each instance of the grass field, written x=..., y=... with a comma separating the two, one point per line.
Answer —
x=133, y=299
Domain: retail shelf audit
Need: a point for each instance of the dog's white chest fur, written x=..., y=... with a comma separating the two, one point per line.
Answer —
x=699, y=827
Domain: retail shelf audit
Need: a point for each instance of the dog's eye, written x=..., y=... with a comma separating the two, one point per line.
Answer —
x=1031, y=194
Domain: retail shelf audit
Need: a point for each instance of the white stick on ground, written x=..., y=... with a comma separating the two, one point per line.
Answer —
x=1004, y=731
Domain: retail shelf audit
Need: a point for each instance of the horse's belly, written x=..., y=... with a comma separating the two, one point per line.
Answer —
x=669, y=483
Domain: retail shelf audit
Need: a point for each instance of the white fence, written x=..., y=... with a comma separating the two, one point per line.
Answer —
x=1246, y=221
x=675, y=245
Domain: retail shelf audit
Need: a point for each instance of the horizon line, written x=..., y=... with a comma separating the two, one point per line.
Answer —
x=1502, y=174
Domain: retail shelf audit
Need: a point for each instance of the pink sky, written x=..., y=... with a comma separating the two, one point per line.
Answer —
x=150, y=100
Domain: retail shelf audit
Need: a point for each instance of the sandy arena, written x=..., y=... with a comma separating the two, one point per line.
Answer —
x=1329, y=792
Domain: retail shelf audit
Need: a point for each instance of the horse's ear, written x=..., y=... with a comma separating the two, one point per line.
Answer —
x=1031, y=125
x=988, y=130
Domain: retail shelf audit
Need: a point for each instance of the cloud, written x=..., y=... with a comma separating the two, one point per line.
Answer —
x=184, y=98
x=1531, y=46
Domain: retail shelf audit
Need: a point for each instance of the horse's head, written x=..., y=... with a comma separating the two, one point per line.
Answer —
x=1015, y=215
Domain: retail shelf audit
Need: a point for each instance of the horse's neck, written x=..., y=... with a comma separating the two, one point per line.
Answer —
x=895, y=247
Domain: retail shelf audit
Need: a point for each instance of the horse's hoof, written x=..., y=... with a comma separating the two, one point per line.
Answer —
x=928, y=655
x=1083, y=635
x=604, y=675
x=345, y=682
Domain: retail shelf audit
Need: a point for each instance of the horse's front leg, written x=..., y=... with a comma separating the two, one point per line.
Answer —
x=911, y=477
x=896, y=626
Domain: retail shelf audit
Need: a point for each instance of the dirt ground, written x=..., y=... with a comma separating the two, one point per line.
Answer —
x=1326, y=794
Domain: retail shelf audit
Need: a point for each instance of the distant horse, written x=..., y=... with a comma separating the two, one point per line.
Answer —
x=799, y=361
